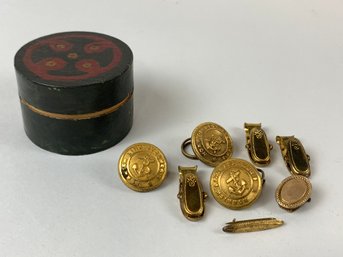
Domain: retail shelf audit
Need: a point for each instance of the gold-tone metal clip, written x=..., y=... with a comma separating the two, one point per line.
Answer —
x=191, y=194
x=252, y=225
x=257, y=144
x=293, y=152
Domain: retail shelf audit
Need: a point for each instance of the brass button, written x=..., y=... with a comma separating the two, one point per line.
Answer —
x=236, y=183
x=210, y=142
x=142, y=167
x=293, y=192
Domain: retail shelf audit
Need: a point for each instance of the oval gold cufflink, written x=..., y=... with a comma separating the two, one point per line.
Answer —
x=293, y=192
x=210, y=143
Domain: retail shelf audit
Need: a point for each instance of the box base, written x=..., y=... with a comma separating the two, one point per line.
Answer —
x=78, y=137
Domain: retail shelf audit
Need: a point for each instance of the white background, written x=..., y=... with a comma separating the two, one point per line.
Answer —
x=275, y=62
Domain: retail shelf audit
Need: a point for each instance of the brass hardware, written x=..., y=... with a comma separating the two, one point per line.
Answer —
x=210, y=143
x=257, y=144
x=191, y=194
x=293, y=192
x=262, y=175
x=293, y=152
x=142, y=167
x=236, y=183
x=186, y=143
x=252, y=225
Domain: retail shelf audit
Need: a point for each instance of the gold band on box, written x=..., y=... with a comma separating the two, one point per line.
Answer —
x=84, y=116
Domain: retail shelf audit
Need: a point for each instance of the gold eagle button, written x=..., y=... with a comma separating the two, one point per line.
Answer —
x=293, y=192
x=236, y=183
x=142, y=167
x=210, y=143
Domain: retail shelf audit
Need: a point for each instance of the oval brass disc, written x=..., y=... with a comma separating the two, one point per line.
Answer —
x=293, y=192
x=235, y=184
x=142, y=167
x=211, y=143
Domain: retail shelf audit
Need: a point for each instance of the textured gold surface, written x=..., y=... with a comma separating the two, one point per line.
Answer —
x=293, y=192
x=142, y=167
x=211, y=144
x=235, y=184
x=252, y=225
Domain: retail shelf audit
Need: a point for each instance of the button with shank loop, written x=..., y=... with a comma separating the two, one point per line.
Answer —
x=210, y=143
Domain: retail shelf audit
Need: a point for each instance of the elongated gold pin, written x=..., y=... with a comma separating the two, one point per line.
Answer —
x=252, y=225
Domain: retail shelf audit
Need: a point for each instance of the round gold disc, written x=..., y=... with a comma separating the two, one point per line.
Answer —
x=142, y=167
x=211, y=143
x=293, y=192
x=235, y=183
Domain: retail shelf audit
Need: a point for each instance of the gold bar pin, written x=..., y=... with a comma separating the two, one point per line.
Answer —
x=257, y=144
x=252, y=225
x=191, y=194
x=294, y=155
